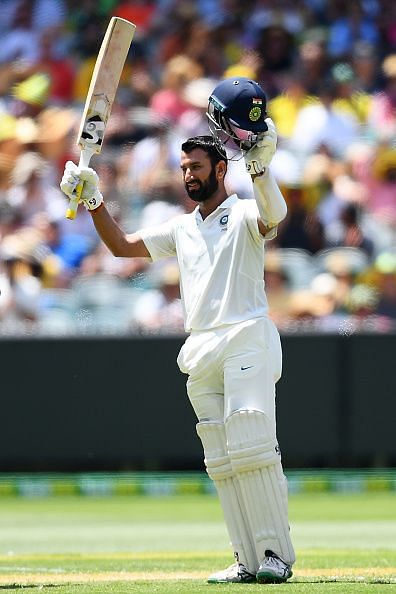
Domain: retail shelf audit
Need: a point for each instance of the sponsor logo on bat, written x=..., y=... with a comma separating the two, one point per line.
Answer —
x=93, y=131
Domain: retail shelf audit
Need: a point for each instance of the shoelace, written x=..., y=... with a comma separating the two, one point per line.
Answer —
x=277, y=563
x=243, y=571
x=273, y=561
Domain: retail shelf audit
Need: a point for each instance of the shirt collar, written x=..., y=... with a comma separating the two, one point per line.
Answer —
x=227, y=203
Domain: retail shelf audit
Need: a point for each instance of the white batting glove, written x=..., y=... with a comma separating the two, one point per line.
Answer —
x=73, y=176
x=259, y=157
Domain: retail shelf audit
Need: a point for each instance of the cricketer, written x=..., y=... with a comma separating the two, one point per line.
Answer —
x=232, y=355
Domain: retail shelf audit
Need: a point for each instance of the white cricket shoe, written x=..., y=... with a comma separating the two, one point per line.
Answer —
x=235, y=574
x=273, y=570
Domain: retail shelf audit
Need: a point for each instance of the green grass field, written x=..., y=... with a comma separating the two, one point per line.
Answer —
x=165, y=545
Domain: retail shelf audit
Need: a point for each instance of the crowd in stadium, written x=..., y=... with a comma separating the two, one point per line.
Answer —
x=328, y=68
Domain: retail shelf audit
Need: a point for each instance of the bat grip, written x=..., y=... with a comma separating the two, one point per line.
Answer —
x=85, y=157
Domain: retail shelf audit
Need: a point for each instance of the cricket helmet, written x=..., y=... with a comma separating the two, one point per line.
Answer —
x=236, y=111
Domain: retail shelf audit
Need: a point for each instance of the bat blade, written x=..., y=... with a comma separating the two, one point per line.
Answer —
x=101, y=93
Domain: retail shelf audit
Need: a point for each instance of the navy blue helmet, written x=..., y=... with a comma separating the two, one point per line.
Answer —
x=236, y=111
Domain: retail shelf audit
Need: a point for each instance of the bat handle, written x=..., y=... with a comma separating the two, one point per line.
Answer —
x=71, y=211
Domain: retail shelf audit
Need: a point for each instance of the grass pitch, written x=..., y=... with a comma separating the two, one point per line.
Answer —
x=165, y=545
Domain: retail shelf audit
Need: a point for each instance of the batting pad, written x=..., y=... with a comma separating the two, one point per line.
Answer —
x=218, y=466
x=255, y=460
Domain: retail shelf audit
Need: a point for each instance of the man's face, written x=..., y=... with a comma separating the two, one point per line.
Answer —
x=200, y=178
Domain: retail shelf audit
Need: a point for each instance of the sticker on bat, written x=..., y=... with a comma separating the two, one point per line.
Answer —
x=93, y=131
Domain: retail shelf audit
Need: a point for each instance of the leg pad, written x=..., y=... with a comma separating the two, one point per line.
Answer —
x=218, y=465
x=255, y=459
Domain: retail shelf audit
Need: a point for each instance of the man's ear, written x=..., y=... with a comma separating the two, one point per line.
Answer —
x=221, y=169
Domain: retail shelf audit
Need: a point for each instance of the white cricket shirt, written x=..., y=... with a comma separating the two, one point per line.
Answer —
x=221, y=261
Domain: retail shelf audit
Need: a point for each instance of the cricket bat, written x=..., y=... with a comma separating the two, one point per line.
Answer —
x=101, y=94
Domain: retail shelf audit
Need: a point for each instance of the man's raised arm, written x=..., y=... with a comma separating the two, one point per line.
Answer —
x=118, y=242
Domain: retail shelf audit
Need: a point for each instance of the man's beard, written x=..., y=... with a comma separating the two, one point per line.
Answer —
x=205, y=190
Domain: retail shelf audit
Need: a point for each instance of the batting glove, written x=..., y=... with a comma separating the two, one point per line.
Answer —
x=259, y=157
x=73, y=176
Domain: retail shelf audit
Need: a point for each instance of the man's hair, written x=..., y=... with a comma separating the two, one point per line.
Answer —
x=208, y=144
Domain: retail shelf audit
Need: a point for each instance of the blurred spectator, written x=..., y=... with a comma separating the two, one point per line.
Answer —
x=100, y=261
x=160, y=310
x=345, y=265
x=277, y=287
x=142, y=83
x=382, y=116
x=87, y=39
x=139, y=12
x=344, y=192
x=349, y=28
x=22, y=256
x=52, y=141
x=349, y=98
x=154, y=175
x=312, y=65
x=179, y=18
x=385, y=266
x=247, y=65
x=59, y=68
x=365, y=66
x=45, y=13
x=67, y=250
x=20, y=45
x=348, y=232
x=30, y=194
x=11, y=147
x=321, y=125
x=362, y=305
x=276, y=47
x=382, y=187
x=30, y=95
x=285, y=107
x=301, y=229
x=110, y=190
x=193, y=122
x=168, y=102
x=387, y=26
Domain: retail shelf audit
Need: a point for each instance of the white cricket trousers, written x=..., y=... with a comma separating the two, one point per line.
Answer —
x=231, y=368
x=231, y=386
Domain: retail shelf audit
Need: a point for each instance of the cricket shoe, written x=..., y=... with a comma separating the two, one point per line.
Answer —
x=273, y=570
x=235, y=574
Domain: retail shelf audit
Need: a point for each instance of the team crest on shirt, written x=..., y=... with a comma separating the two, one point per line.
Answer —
x=223, y=222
